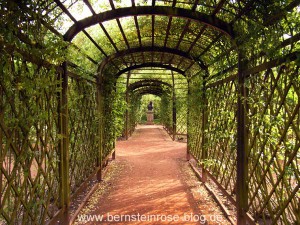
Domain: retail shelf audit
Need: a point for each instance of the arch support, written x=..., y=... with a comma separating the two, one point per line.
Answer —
x=63, y=144
x=144, y=65
x=100, y=111
x=143, y=49
x=209, y=20
x=242, y=146
x=147, y=83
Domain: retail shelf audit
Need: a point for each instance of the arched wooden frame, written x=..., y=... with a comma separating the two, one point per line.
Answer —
x=209, y=20
x=148, y=83
x=123, y=53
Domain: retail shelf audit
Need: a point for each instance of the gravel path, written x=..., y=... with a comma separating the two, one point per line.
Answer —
x=153, y=186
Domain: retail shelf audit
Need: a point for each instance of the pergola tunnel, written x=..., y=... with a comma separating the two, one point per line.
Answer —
x=170, y=89
x=77, y=75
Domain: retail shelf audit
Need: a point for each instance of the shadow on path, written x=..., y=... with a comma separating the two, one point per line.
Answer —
x=151, y=188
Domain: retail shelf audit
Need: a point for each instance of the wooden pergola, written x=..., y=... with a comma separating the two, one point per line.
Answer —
x=202, y=41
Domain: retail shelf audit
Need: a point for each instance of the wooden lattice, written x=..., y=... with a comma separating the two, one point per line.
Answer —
x=272, y=106
x=274, y=141
x=28, y=143
x=221, y=134
x=83, y=128
x=181, y=113
x=244, y=56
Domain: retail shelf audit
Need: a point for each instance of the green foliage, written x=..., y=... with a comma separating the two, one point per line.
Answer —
x=119, y=107
x=166, y=111
x=29, y=87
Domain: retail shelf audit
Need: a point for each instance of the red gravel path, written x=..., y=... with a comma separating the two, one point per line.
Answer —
x=151, y=182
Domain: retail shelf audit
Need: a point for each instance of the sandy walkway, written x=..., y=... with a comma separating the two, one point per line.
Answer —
x=151, y=187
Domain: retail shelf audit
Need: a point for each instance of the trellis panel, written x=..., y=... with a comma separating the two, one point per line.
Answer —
x=166, y=113
x=274, y=144
x=29, y=191
x=195, y=115
x=181, y=112
x=84, y=131
x=221, y=134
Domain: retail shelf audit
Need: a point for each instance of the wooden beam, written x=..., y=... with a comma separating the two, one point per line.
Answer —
x=138, y=30
x=124, y=37
x=216, y=10
x=145, y=65
x=188, y=124
x=174, y=111
x=204, y=124
x=88, y=4
x=1, y=140
x=174, y=3
x=142, y=49
x=112, y=4
x=109, y=37
x=87, y=56
x=183, y=33
x=153, y=29
x=209, y=20
x=139, y=35
x=36, y=60
x=275, y=17
x=153, y=3
x=180, y=40
x=65, y=10
x=195, y=5
x=209, y=46
x=149, y=90
x=168, y=30
x=242, y=153
x=197, y=38
x=100, y=112
x=94, y=42
x=127, y=103
x=63, y=143
x=148, y=83
x=166, y=38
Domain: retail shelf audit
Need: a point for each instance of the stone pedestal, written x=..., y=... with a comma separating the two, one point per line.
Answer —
x=150, y=117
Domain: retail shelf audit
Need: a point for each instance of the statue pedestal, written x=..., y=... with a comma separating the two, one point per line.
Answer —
x=150, y=117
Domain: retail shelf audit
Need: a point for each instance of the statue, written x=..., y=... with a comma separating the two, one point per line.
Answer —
x=150, y=106
x=150, y=114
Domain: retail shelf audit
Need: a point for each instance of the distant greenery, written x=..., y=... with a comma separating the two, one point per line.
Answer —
x=156, y=108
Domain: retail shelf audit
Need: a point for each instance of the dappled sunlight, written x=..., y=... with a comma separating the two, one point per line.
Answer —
x=151, y=184
x=119, y=99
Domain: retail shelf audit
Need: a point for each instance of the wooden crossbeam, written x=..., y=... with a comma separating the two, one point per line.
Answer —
x=167, y=35
x=112, y=4
x=94, y=42
x=144, y=49
x=65, y=10
x=174, y=3
x=145, y=65
x=210, y=20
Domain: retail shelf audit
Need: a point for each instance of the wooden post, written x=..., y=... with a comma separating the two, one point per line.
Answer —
x=204, y=125
x=127, y=111
x=63, y=144
x=114, y=154
x=100, y=109
x=173, y=107
x=1, y=139
x=188, y=156
x=242, y=138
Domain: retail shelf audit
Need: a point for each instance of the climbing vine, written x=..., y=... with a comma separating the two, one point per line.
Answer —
x=61, y=110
